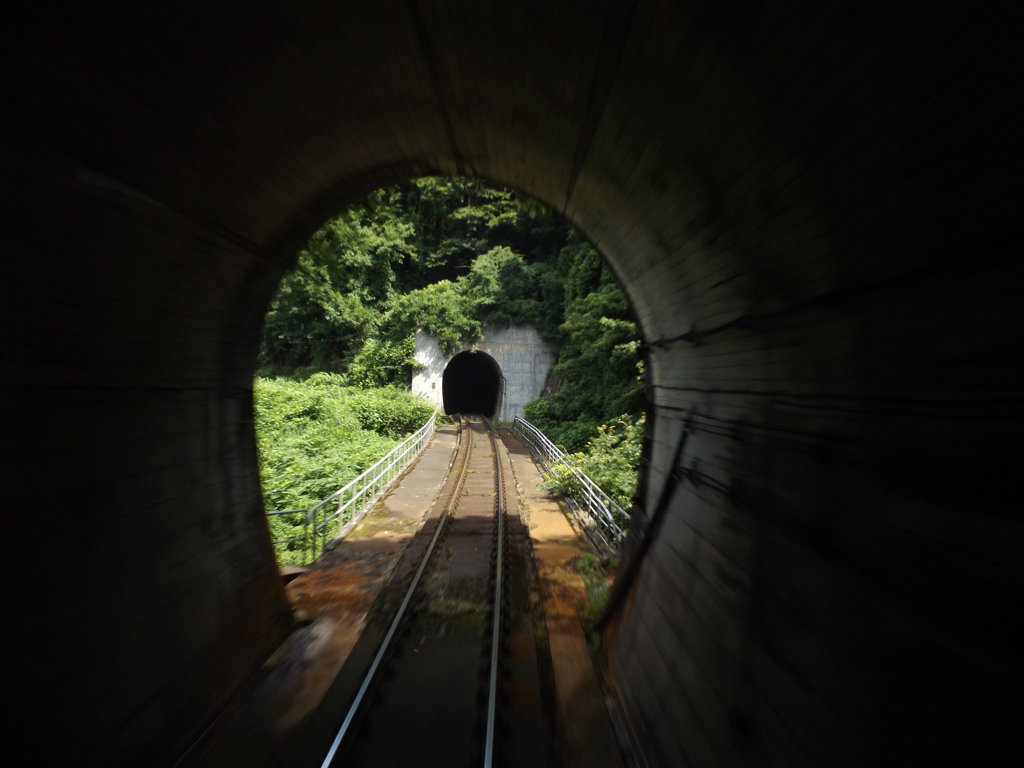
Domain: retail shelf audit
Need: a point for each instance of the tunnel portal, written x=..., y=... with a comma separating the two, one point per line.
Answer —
x=472, y=384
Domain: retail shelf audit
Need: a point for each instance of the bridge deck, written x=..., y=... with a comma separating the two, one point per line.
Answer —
x=332, y=598
x=279, y=714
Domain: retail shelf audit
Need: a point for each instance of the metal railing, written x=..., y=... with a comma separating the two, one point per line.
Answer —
x=321, y=525
x=596, y=512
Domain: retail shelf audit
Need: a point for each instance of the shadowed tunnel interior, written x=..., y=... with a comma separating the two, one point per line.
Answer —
x=472, y=384
x=814, y=209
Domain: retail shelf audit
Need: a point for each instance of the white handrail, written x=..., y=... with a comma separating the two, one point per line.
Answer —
x=595, y=510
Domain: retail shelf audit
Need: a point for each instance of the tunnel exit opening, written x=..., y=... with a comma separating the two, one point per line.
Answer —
x=472, y=383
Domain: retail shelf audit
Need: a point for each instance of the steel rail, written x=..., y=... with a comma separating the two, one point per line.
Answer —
x=368, y=679
x=492, y=694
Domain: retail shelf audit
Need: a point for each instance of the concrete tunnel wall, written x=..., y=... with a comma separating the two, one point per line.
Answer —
x=814, y=209
x=524, y=358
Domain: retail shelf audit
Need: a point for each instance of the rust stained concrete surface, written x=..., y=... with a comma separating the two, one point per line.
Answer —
x=334, y=596
x=342, y=584
x=583, y=720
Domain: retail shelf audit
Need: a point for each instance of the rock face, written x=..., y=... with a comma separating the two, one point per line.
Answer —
x=521, y=355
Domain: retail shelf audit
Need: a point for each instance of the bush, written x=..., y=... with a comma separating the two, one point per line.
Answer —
x=389, y=411
x=317, y=435
x=380, y=362
x=611, y=460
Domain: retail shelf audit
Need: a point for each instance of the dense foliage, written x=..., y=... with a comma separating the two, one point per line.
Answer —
x=602, y=375
x=610, y=459
x=447, y=256
x=315, y=436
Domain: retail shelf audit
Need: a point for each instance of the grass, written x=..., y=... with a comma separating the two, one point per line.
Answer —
x=595, y=575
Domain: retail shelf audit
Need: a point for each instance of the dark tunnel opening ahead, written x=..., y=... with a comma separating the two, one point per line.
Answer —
x=472, y=384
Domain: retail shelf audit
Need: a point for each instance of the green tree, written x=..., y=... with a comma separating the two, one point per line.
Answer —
x=601, y=372
x=447, y=255
x=444, y=254
x=329, y=304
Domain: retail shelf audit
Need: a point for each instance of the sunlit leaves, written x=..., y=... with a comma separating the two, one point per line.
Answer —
x=314, y=436
x=599, y=362
x=610, y=458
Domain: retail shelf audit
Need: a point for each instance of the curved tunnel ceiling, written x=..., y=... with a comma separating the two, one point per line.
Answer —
x=813, y=208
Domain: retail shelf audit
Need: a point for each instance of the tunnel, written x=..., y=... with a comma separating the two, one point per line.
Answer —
x=472, y=383
x=813, y=208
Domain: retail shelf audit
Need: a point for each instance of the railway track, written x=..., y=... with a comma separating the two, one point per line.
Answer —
x=434, y=692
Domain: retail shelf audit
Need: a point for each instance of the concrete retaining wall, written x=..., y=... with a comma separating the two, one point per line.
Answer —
x=523, y=356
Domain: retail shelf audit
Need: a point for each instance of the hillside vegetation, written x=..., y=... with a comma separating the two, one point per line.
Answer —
x=314, y=436
x=448, y=256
